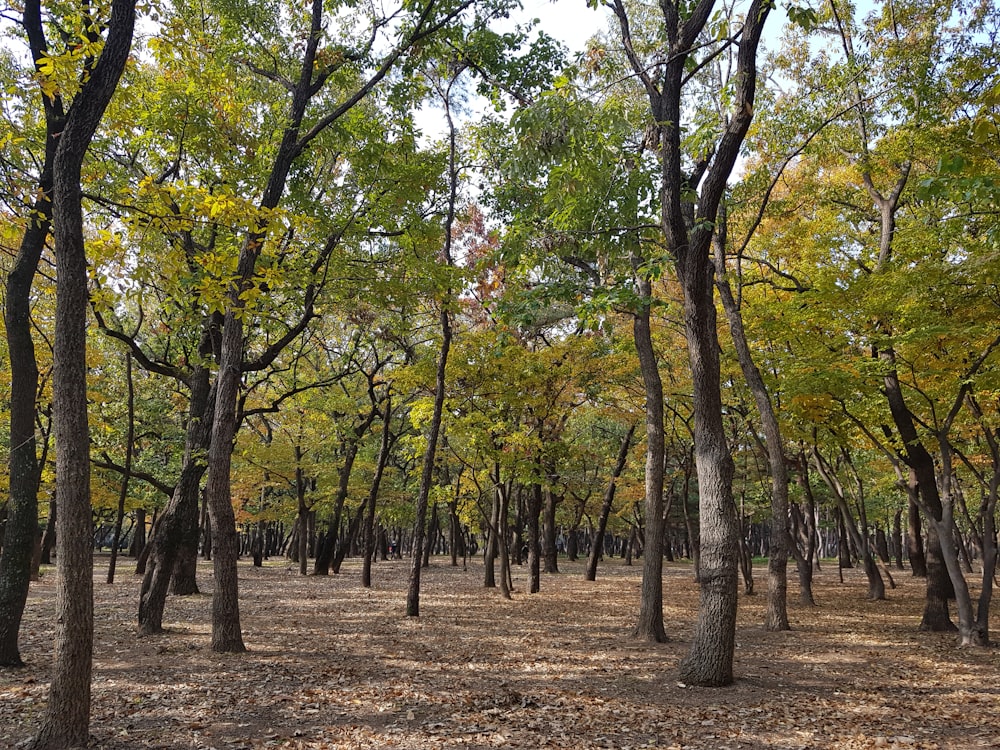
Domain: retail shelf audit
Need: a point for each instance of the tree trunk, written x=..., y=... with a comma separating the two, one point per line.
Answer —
x=20, y=531
x=609, y=498
x=848, y=529
x=383, y=459
x=649, y=626
x=805, y=540
x=123, y=492
x=551, y=552
x=920, y=461
x=780, y=542
x=897, y=538
x=66, y=721
x=914, y=537
x=427, y=474
x=687, y=233
x=226, y=633
x=177, y=525
x=491, y=549
x=534, y=562
x=138, y=543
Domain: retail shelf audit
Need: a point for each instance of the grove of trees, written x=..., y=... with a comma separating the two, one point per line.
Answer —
x=352, y=279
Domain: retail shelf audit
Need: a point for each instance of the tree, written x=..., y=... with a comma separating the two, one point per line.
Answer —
x=67, y=717
x=23, y=467
x=689, y=200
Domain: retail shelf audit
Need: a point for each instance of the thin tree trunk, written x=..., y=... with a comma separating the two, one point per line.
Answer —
x=427, y=474
x=129, y=451
x=776, y=615
x=503, y=508
x=534, y=562
x=491, y=549
x=550, y=551
x=383, y=458
x=609, y=498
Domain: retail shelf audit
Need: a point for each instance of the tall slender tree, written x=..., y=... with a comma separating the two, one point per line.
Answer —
x=66, y=721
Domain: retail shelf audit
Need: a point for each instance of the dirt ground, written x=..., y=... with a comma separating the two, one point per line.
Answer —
x=333, y=665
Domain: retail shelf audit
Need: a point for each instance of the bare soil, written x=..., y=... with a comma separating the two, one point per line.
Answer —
x=334, y=665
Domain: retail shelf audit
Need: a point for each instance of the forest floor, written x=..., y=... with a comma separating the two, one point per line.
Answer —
x=334, y=665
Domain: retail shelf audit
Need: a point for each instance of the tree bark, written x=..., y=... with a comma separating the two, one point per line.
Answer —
x=226, y=634
x=491, y=549
x=687, y=230
x=920, y=461
x=66, y=721
x=550, y=550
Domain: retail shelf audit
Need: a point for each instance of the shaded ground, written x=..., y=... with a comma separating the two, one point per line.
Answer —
x=332, y=665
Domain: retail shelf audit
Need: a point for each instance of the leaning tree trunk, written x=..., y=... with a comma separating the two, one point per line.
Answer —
x=66, y=721
x=609, y=498
x=776, y=615
x=427, y=471
x=226, y=633
x=22, y=508
x=849, y=530
x=920, y=461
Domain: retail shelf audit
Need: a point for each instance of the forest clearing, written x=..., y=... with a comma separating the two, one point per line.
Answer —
x=334, y=665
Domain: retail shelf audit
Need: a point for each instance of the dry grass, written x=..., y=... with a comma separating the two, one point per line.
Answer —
x=332, y=665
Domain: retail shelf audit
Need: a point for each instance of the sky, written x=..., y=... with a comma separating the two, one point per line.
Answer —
x=569, y=21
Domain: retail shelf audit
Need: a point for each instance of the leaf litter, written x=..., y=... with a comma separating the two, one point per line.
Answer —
x=334, y=665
